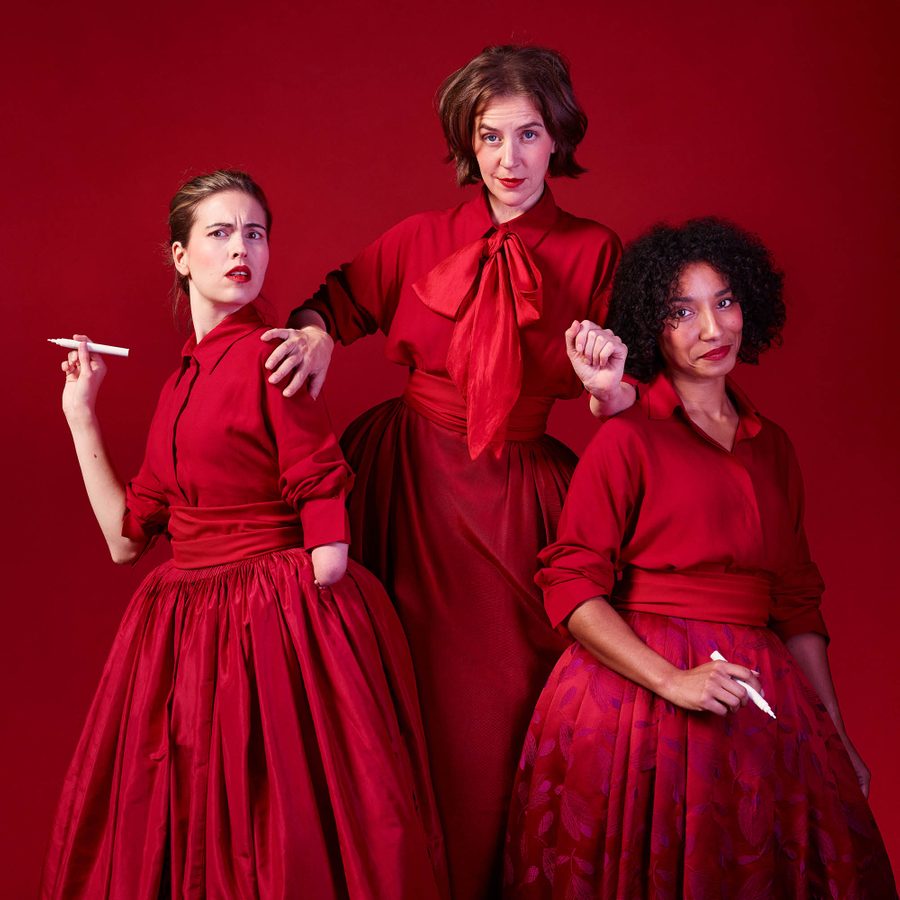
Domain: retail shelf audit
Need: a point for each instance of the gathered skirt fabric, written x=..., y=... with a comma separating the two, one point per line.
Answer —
x=252, y=737
x=620, y=794
x=455, y=542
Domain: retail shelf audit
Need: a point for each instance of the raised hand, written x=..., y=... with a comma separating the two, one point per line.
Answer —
x=305, y=352
x=597, y=356
x=84, y=374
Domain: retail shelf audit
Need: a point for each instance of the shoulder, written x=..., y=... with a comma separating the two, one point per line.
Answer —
x=777, y=438
x=586, y=229
x=623, y=435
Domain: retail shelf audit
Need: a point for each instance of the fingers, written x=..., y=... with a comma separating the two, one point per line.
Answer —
x=734, y=670
x=280, y=334
x=282, y=351
x=288, y=365
x=571, y=333
x=316, y=383
x=296, y=383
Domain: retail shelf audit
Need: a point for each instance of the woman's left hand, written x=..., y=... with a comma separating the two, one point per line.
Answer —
x=863, y=775
x=597, y=356
x=329, y=562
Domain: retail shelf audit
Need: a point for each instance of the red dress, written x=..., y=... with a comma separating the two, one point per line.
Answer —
x=469, y=307
x=620, y=793
x=252, y=735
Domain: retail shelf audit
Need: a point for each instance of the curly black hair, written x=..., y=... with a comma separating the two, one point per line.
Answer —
x=648, y=276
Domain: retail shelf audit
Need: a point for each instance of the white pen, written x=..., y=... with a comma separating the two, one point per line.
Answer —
x=754, y=695
x=108, y=349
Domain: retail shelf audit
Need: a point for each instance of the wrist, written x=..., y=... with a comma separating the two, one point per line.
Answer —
x=82, y=420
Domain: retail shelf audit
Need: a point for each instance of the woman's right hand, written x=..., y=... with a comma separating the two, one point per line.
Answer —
x=304, y=351
x=711, y=688
x=84, y=374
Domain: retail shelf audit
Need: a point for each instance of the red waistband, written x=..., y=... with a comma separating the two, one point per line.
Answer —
x=713, y=596
x=212, y=535
x=438, y=400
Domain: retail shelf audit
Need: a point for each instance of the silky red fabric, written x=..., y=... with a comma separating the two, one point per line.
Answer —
x=252, y=735
x=621, y=794
x=455, y=539
x=491, y=289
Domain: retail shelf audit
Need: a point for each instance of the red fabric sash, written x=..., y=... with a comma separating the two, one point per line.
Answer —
x=491, y=288
x=212, y=535
x=712, y=596
x=439, y=401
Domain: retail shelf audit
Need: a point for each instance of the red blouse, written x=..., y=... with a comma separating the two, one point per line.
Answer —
x=486, y=306
x=655, y=497
x=232, y=467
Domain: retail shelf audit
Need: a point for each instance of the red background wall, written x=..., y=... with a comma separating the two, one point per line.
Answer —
x=779, y=115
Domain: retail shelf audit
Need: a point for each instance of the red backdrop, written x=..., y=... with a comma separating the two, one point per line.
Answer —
x=777, y=115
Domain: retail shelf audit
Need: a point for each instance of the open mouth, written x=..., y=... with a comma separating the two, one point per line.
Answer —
x=239, y=274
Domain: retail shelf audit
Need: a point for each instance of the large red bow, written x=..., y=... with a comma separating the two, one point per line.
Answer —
x=492, y=288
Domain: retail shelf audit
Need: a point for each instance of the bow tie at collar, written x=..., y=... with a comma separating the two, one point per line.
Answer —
x=491, y=288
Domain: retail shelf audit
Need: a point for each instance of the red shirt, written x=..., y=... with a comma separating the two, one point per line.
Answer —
x=231, y=464
x=654, y=494
x=576, y=259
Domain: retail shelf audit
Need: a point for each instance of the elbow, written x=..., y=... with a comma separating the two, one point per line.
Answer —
x=125, y=555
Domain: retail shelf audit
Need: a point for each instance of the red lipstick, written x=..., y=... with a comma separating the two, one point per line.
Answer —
x=718, y=353
x=511, y=182
x=240, y=274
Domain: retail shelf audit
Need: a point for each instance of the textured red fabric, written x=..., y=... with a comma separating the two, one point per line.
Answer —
x=252, y=734
x=620, y=793
x=455, y=539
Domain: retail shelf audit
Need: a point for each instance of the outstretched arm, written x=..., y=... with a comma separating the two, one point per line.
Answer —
x=84, y=375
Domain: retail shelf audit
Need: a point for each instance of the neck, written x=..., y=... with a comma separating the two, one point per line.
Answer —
x=206, y=315
x=501, y=213
x=703, y=396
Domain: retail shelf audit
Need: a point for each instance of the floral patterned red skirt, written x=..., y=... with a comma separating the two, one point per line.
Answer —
x=621, y=794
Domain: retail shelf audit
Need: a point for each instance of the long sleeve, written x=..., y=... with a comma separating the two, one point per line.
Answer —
x=146, y=503
x=599, y=509
x=361, y=296
x=798, y=588
x=314, y=477
x=607, y=264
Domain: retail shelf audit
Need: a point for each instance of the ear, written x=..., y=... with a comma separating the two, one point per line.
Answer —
x=553, y=148
x=179, y=258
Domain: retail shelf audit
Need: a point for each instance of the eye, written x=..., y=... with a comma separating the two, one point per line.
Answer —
x=530, y=135
x=490, y=138
x=725, y=302
x=255, y=235
x=679, y=312
x=218, y=232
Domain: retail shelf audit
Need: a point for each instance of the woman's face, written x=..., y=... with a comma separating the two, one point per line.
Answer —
x=513, y=150
x=702, y=335
x=227, y=252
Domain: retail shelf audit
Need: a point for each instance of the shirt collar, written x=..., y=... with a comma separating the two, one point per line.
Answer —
x=219, y=341
x=661, y=400
x=531, y=226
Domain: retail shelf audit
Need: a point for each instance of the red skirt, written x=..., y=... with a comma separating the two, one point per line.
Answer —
x=455, y=542
x=621, y=794
x=252, y=736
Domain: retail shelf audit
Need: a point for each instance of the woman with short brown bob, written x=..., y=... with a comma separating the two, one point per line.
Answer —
x=491, y=306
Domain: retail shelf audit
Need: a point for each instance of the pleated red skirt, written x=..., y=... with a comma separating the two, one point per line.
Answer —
x=620, y=794
x=455, y=542
x=252, y=736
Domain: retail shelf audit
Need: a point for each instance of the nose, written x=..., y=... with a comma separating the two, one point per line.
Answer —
x=710, y=328
x=509, y=156
x=238, y=246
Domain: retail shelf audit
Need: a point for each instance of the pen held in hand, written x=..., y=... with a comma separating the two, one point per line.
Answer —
x=108, y=349
x=754, y=695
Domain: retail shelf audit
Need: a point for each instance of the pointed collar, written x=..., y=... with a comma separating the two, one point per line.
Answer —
x=661, y=400
x=219, y=341
x=531, y=226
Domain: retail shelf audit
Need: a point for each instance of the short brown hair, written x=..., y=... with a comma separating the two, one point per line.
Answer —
x=183, y=209
x=538, y=73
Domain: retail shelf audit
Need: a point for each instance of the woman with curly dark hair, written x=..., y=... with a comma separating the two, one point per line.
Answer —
x=682, y=570
x=458, y=485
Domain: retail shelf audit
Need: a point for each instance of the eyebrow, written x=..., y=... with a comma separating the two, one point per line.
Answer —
x=721, y=293
x=518, y=127
x=231, y=225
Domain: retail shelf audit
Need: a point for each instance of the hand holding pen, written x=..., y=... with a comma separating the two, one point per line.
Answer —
x=755, y=696
x=84, y=373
